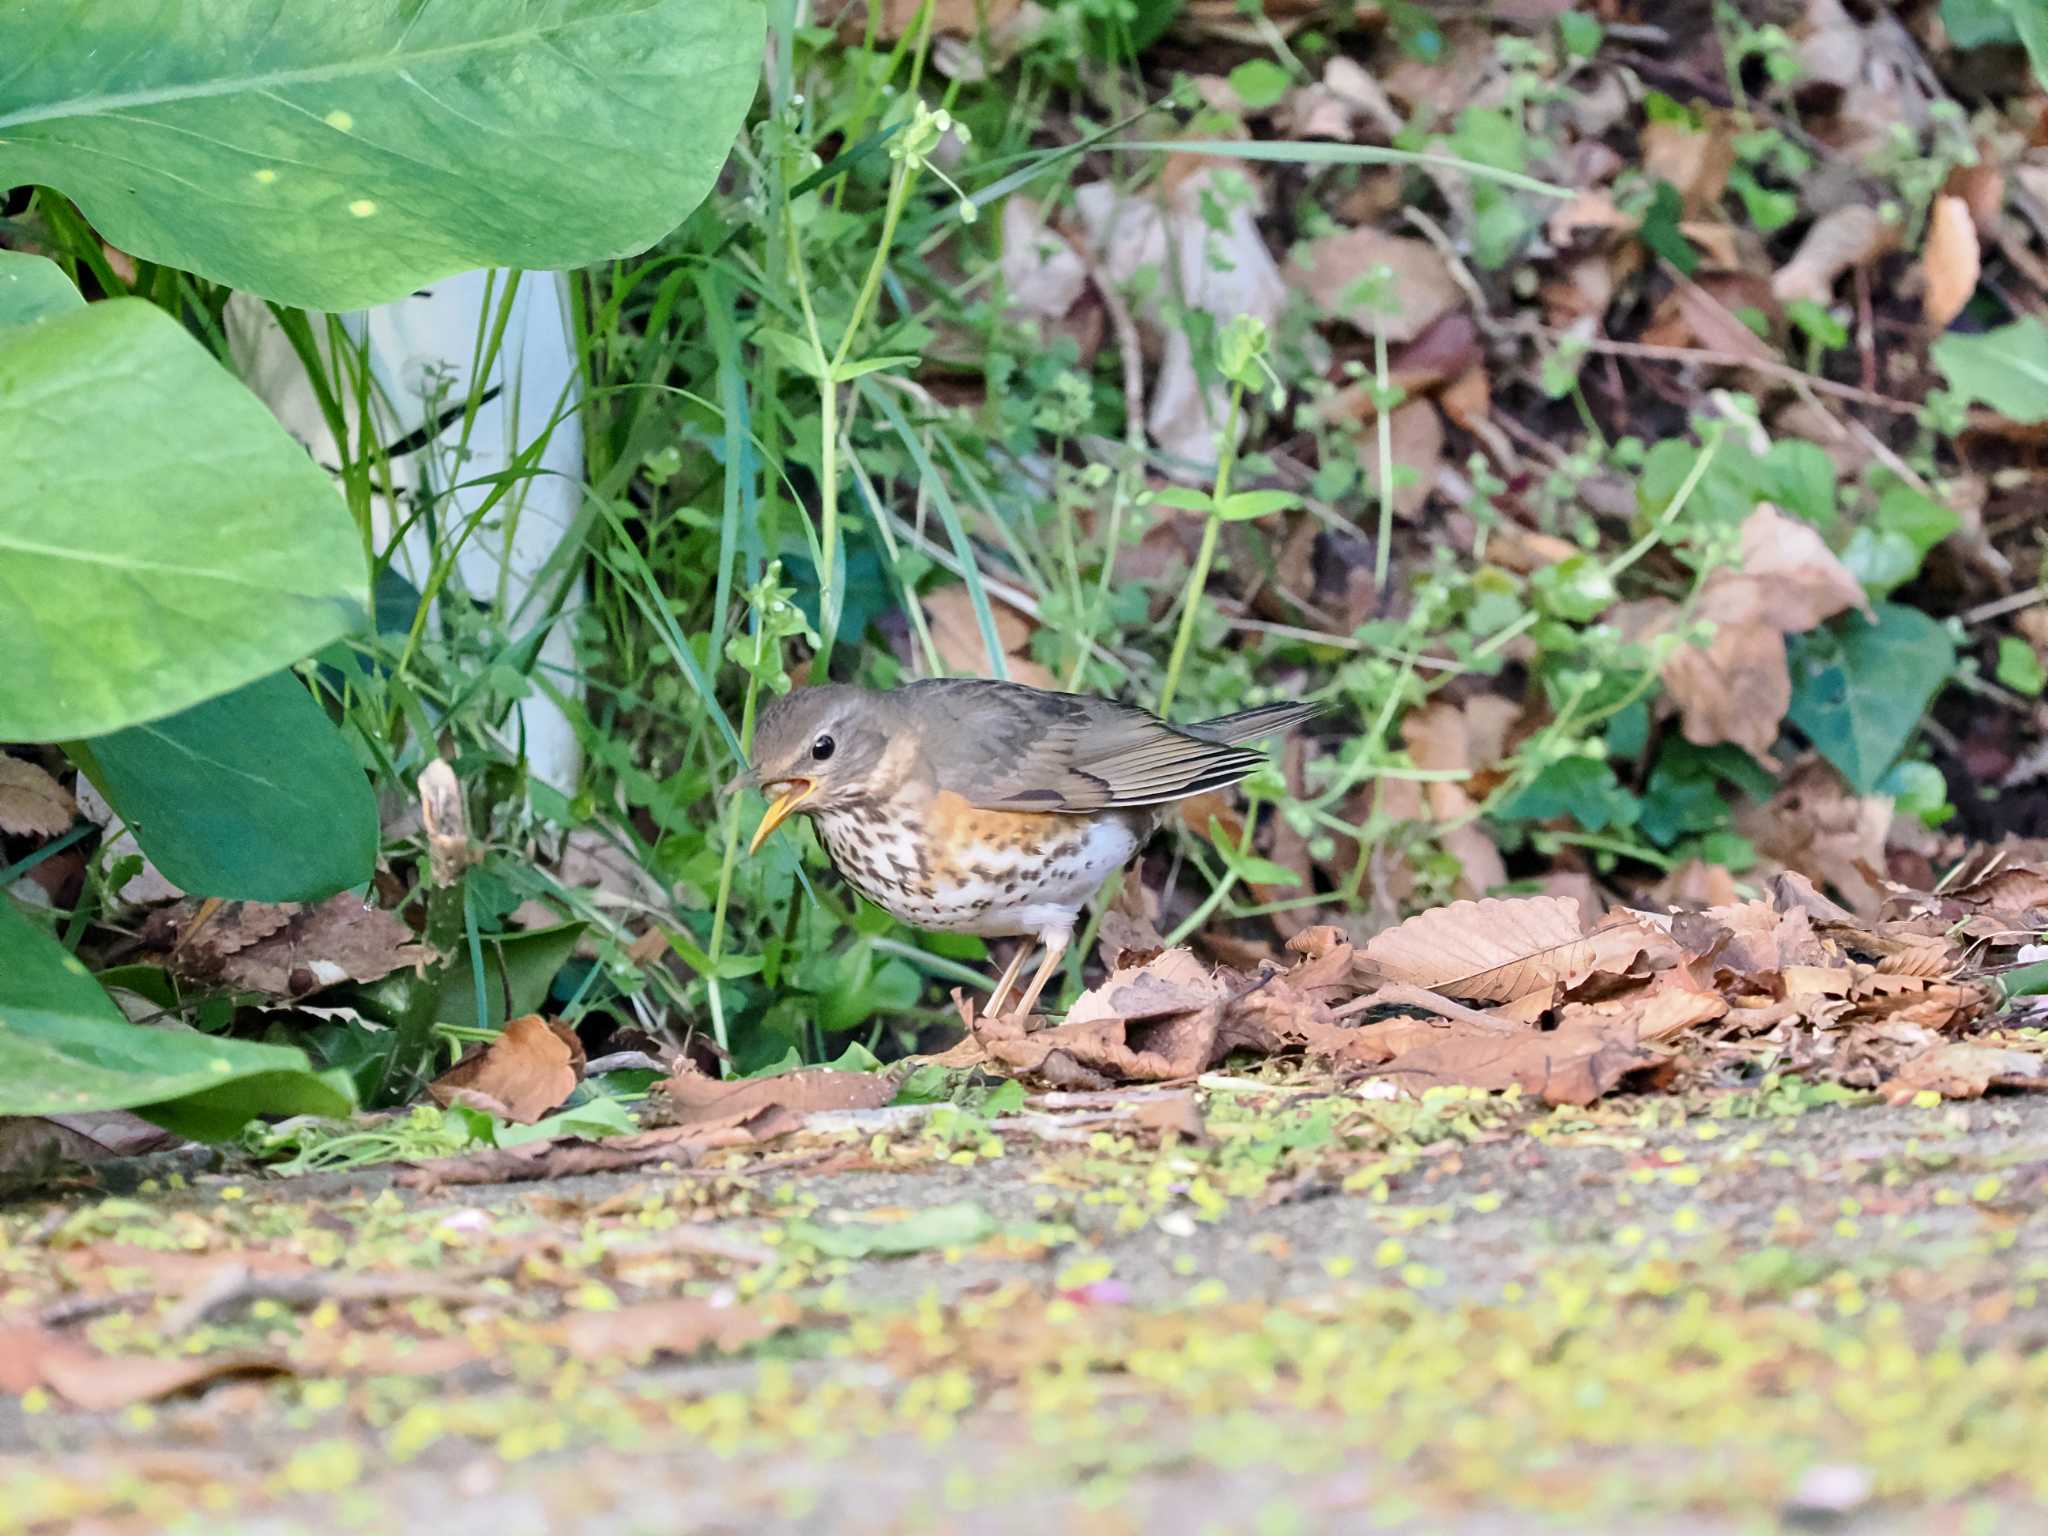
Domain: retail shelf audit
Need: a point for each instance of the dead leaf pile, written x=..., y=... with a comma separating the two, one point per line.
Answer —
x=282, y=950
x=1526, y=993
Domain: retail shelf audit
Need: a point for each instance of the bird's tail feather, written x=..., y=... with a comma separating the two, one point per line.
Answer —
x=1251, y=724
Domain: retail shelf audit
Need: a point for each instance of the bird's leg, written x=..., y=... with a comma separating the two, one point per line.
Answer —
x=1009, y=980
x=1055, y=946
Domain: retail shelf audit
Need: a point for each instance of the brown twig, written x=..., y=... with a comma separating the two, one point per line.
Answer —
x=1397, y=996
x=1650, y=352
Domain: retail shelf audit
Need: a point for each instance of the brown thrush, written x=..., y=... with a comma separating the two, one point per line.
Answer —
x=973, y=806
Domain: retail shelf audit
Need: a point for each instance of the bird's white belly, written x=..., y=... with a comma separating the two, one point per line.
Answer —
x=990, y=891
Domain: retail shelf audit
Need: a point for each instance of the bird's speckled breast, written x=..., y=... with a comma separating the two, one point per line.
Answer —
x=948, y=865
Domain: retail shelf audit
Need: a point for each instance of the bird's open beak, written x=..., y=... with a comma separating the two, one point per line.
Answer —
x=794, y=793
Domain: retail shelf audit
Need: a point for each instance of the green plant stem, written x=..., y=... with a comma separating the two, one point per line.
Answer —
x=728, y=861
x=411, y=1057
x=831, y=593
x=1383, y=552
x=1198, y=574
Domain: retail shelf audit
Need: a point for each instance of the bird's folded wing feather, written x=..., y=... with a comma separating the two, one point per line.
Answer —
x=1006, y=748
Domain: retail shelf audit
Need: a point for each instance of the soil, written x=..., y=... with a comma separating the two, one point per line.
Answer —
x=1330, y=1314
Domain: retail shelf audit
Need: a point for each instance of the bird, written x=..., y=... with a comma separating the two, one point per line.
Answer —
x=970, y=805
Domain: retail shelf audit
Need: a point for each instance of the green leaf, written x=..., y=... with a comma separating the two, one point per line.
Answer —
x=1581, y=34
x=1259, y=83
x=1799, y=478
x=66, y=1049
x=162, y=539
x=1583, y=789
x=1577, y=588
x=1660, y=232
x=1248, y=867
x=2006, y=369
x=592, y=1120
x=1888, y=551
x=1246, y=505
x=1859, y=688
x=2019, y=667
x=1185, y=498
x=252, y=796
x=937, y=1226
x=1974, y=23
x=335, y=156
x=790, y=350
x=518, y=970
x=1918, y=789
x=846, y=371
x=2030, y=21
x=33, y=287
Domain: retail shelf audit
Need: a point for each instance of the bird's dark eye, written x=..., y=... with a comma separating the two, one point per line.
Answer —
x=822, y=748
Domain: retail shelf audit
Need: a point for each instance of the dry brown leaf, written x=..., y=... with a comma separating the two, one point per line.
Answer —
x=531, y=1067
x=1848, y=237
x=1958, y=1069
x=956, y=634
x=568, y=1156
x=1696, y=161
x=82, y=1376
x=1172, y=1115
x=1589, y=212
x=1043, y=275
x=1815, y=825
x=1808, y=583
x=1737, y=687
x=1489, y=951
x=1098, y=1052
x=31, y=802
x=1415, y=443
x=703, y=1101
x=285, y=951
x=1575, y=1063
x=1447, y=738
x=1172, y=981
x=680, y=1325
x=1223, y=273
x=1950, y=261
x=1694, y=316
x=1419, y=292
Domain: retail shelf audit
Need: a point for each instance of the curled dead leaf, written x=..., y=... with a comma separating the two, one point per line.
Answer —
x=1950, y=261
x=703, y=1101
x=531, y=1067
x=1851, y=236
x=31, y=802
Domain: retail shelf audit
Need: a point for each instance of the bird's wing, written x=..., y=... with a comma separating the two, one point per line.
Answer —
x=1001, y=746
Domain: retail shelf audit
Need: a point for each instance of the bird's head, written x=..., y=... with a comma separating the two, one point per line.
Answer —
x=815, y=749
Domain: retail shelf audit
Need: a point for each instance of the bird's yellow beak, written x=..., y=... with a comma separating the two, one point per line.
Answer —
x=794, y=793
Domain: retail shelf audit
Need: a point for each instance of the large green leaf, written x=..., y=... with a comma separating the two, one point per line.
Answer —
x=1859, y=688
x=162, y=539
x=31, y=288
x=518, y=969
x=253, y=796
x=337, y=155
x=2007, y=369
x=65, y=1048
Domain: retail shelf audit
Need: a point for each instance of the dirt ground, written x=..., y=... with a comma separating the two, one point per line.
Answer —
x=1327, y=1313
